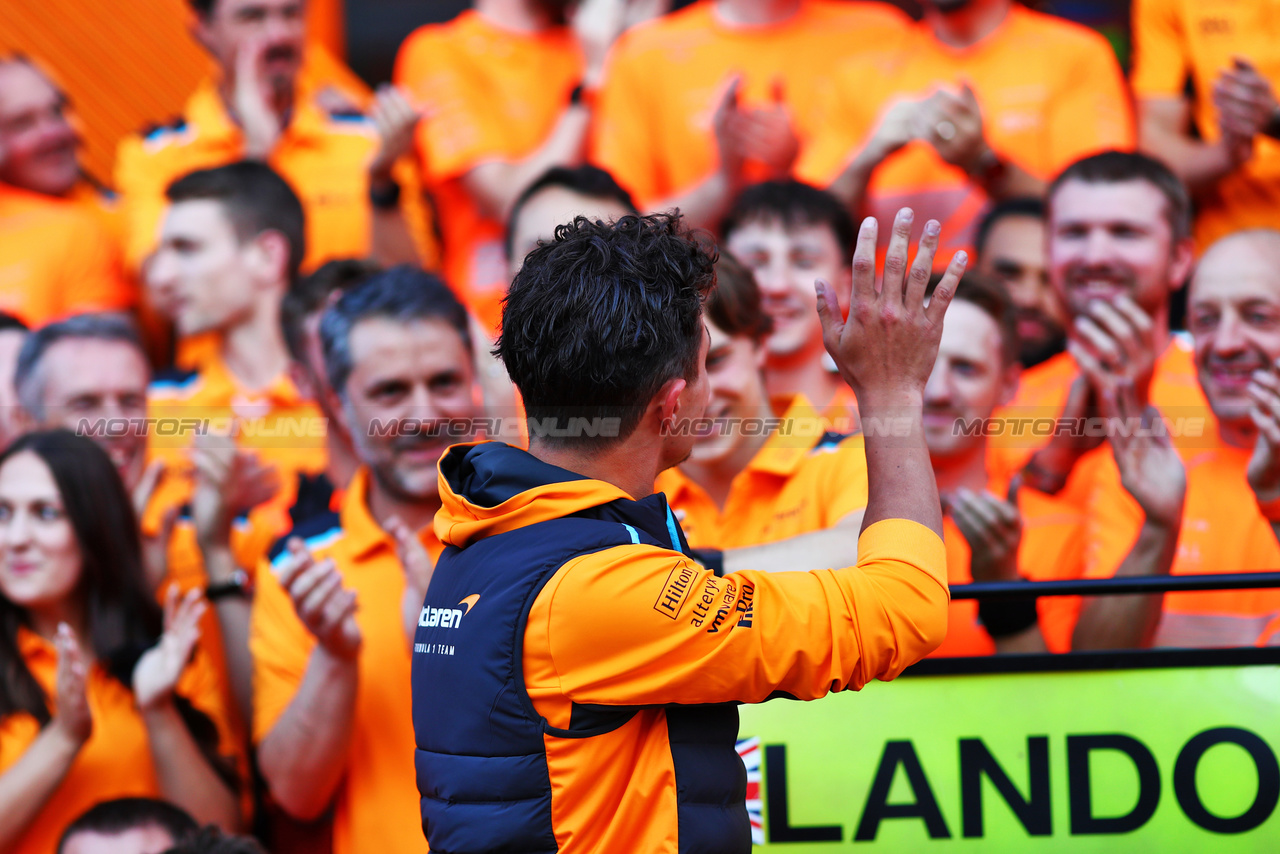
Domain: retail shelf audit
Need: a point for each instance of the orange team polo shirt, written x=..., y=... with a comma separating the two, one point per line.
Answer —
x=116, y=760
x=799, y=482
x=1051, y=549
x=324, y=156
x=377, y=807
x=487, y=95
x=1024, y=426
x=1222, y=531
x=665, y=78
x=1050, y=92
x=56, y=259
x=284, y=428
x=1179, y=39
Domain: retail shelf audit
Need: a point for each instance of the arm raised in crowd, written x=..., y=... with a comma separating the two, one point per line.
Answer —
x=304, y=755
x=390, y=240
x=228, y=481
x=186, y=778
x=835, y=546
x=1264, y=465
x=1152, y=473
x=496, y=185
x=27, y=786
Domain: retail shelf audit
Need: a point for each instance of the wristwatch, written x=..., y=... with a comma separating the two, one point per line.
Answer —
x=384, y=197
x=989, y=169
x=1272, y=128
x=239, y=584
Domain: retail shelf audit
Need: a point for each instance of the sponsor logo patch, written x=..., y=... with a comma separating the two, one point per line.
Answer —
x=675, y=591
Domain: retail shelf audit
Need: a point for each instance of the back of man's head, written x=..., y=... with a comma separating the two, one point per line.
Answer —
x=599, y=319
x=313, y=292
x=126, y=825
x=28, y=378
x=210, y=840
x=254, y=198
x=404, y=294
x=1031, y=207
x=1120, y=167
x=792, y=204
x=589, y=182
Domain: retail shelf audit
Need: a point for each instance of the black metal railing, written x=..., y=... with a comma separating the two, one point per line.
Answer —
x=1115, y=586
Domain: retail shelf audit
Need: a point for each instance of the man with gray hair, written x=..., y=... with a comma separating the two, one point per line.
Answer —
x=89, y=374
x=1230, y=518
x=331, y=683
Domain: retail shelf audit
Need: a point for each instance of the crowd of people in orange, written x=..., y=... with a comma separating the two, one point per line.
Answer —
x=226, y=383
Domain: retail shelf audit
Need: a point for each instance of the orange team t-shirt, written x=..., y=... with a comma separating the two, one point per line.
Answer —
x=487, y=95
x=799, y=482
x=1222, y=531
x=377, y=806
x=1026, y=424
x=56, y=259
x=665, y=78
x=1179, y=39
x=1051, y=549
x=281, y=426
x=323, y=154
x=1050, y=92
x=116, y=761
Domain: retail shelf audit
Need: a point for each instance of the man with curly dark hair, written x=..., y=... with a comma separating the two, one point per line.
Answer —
x=575, y=670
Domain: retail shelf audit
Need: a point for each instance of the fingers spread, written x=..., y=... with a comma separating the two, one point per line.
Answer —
x=864, y=262
x=895, y=259
x=946, y=289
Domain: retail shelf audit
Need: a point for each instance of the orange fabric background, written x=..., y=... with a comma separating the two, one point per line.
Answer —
x=127, y=65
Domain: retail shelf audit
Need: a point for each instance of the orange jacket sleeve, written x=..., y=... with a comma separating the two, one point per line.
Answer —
x=1160, y=64
x=638, y=625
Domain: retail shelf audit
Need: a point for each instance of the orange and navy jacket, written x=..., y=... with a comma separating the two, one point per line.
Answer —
x=575, y=672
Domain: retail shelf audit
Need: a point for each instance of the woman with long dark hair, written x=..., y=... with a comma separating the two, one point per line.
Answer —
x=100, y=696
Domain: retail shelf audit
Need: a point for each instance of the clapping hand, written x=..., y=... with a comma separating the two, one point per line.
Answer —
x=158, y=670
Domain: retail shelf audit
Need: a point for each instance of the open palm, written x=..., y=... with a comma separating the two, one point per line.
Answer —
x=158, y=670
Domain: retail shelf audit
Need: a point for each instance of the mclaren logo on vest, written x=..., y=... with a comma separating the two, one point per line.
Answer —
x=446, y=618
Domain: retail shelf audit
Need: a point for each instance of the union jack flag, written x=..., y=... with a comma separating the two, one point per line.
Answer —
x=749, y=752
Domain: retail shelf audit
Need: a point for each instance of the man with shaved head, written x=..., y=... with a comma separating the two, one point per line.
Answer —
x=1231, y=512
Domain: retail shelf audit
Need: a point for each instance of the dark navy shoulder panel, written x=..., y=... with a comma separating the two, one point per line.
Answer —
x=155, y=131
x=317, y=532
x=315, y=494
x=830, y=439
x=173, y=378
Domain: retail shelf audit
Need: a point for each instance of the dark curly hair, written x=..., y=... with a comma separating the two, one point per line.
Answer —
x=601, y=317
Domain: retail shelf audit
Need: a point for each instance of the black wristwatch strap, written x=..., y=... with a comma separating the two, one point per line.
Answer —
x=237, y=585
x=384, y=197
x=1004, y=617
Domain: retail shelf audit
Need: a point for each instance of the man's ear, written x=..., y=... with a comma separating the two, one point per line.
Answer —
x=1009, y=379
x=338, y=409
x=667, y=401
x=198, y=26
x=301, y=379
x=269, y=254
x=1184, y=257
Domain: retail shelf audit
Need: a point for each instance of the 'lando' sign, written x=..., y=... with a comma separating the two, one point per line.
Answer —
x=1161, y=759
